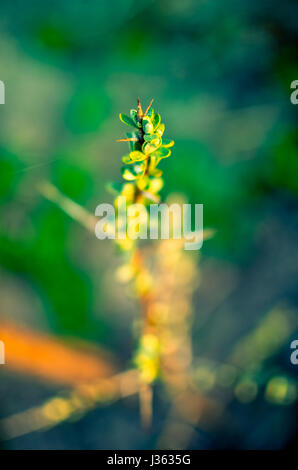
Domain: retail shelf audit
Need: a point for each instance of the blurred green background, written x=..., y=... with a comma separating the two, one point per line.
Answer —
x=220, y=74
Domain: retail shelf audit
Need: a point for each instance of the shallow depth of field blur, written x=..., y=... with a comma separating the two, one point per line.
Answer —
x=220, y=74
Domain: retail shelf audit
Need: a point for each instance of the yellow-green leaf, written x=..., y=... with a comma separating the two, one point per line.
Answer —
x=149, y=147
x=162, y=152
x=160, y=130
x=156, y=120
x=127, y=120
x=147, y=125
x=167, y=143
x=127, y=174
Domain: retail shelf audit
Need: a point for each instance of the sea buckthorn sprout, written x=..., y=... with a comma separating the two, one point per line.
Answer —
x=162, y=275
x=143, y=178
x=147, y=149
x=143, y=182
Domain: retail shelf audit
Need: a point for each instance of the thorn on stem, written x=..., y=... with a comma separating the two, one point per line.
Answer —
x=140, y=112
x=149, y=106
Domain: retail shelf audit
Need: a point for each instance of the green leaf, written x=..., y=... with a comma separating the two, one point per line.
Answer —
x=135, y=156
x=134, y=117
x=139, y=168
x=149, y=147
x=150, y=112
x=167, y=143
x=133, y=114
x=143, y=183
x=162, y=152
x=114, y=187
x=126, y=159
x=128, y=174
x=133, y=172
x=156, y=172
x=150, y=137
x=127, y=120
x=156, y=120
x=147, y=125
x=155, y=185
x=160, y=130
x=153, y=162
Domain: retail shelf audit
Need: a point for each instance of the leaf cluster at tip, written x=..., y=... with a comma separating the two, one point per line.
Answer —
x=147, y=147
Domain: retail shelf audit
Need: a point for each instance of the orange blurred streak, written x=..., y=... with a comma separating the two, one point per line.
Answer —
x=46, y=357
